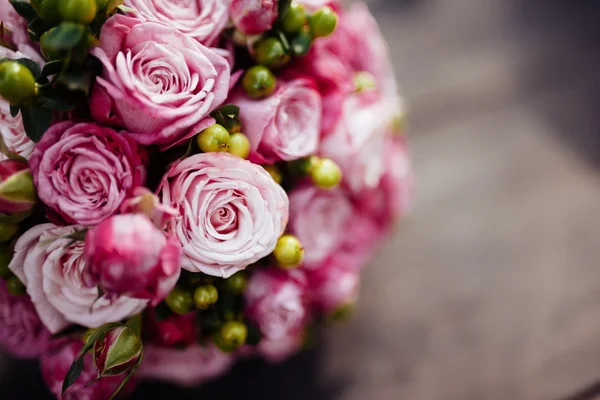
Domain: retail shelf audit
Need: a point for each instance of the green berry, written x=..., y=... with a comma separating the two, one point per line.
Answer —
x=233, y=334
x=259, y=82
x=180, y=301
x=15, y=286
x=7, y=231
x=289, y=252
x=213, y=139
x=271, y=53
x=239, y=145
x=205, y=296
x=237, y=282
x=275, y=173
x=301, y=44
x=323, y=22
x=294, y=19
x=82, y=11
x=17, y=84
x=5, y=258
x=326, y=174
x=48, y=10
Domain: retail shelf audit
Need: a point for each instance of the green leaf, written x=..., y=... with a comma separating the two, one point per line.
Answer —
x=52, y=68
x=32, y=66
x=66, y=36
x=36, y=121
x=24, y=9
x=36, y=29
x=73, y=374
x=14, y=110
x=135, y=323
x=301, y=44
x=284, y=5
x=130, y=375
x=231, y=110
x=284, y=41
x=56, y=100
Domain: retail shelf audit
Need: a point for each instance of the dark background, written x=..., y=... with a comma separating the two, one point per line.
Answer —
x=491, y=289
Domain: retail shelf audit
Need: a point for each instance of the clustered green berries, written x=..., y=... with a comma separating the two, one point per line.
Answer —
x=217, y=139
x=326, y=174
x=323, y=22
x=259, y=82
x=231, y=336
x=294, y=19
x=236, y=283
x=289, y=252
x=271, y=53
x=81, y=11
x=180, y=301
x=17, y=84
x=205, y=296
x=47, y=10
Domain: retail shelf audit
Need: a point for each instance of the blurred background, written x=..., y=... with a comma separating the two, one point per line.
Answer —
x=491, y=288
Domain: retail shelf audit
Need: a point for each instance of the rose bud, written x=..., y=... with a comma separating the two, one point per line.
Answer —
x=253, y=17
x=147, y=203
x=17, y=193
x=118, y=351
x=128, y=255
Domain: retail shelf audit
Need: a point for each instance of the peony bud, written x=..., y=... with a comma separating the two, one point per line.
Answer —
x=259, y=82
x=239, y=145
x=117, y=352
x=289, y=252
x=17, y=192
x=271, y=53
x=323, y=22
x=147, y=203
x=213, y=139
x=82, y=11
x=326, y=174
x=253, y=17
x=17, y=84
x=127, y=255
x=205, y=296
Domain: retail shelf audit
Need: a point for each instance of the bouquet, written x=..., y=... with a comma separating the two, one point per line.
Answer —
x=186, y=183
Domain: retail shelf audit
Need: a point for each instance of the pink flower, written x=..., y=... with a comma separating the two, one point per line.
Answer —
x=147, y=203
x=157, y=82
x=232, y=212
x=333, y=286
x=275, y=301
x=22, y=334
x=394, y=195
x=83, y=172
x=128, y=256
x=52, y=269
x=13, y=133
x=17, y=194
x=276, y=351
x=358, y=141
x=202, y=20
x=16, y=27
x=174, y=331
x=319, y=219
x=314, y=5
x=55, y=364
x=253, y=16
x=284, y=126
x=188, y=367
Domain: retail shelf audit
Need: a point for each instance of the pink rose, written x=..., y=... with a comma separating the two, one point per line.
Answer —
x=202, y=20
x=232, y=212
x=333, y=286
x=22, y=334
x=394, y=195
x=357, y=143
x=128, y=256
x=55, y=364
x=275, y=301
x=276, y=351
x=13, y=133
x=83, y=172
x=253, y=16
x=320, y=219
x=16, y=26
x=17, y=194
x=188, y=367
x=52, y=269
x=286, y=125
x=174, y=331
x=157, y=82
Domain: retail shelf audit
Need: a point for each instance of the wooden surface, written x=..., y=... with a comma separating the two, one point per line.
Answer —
x=491, y=289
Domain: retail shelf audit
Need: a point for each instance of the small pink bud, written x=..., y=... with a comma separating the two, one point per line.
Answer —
x=128, y=255
x=17, y=193
x=252, y=17
x=119, y=351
